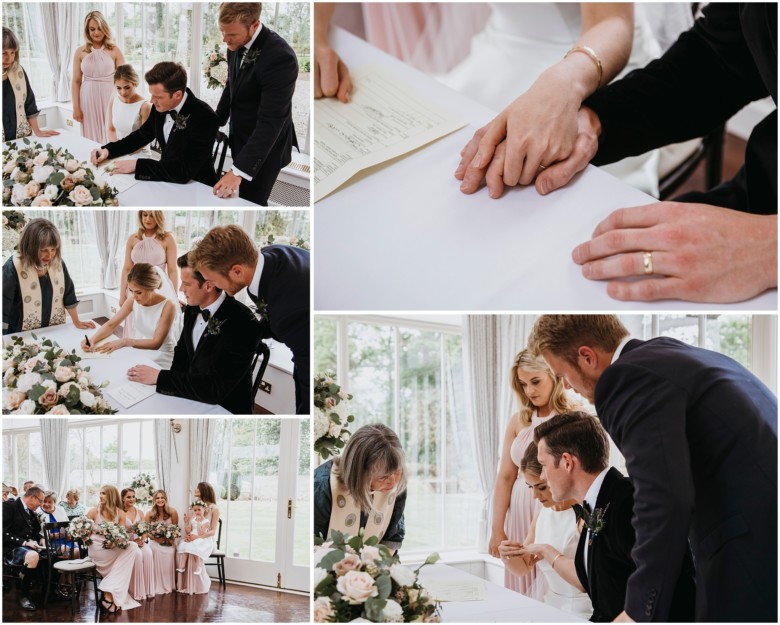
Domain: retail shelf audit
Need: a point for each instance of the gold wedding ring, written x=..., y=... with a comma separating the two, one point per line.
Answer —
x=647, y=262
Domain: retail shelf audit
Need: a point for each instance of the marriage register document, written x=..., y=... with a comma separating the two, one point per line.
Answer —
x=384, y=120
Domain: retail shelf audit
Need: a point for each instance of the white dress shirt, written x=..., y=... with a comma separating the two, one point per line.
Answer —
x=200, y=323
x=168, y=124
x=248, y=46
x=254, y=286
x=591, y=497
x=619, y=349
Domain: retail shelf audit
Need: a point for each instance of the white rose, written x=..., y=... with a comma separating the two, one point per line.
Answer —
x=84, y=379
x=403, y=575
x=51, y=191
x=213, y=56
x=393, y=612
x=41, y=158
x=27, y=407
x=9, y=167
x=335, y=429
x=370, y=554
x=59, y=409
x=318, y=575
x=41, y=174
x=356, y=587
x=79, y=175
x=100, y=182
x=349, y=562
x=49, y=384
x=19, y=194
x=7, y=364
x=321, y=551
x=88, y=399
x=323, y=609
x=27, y=380
x=321, y=424
x=15, y=173
x=63, y=374
x=343, y=394
x=30, y=363
x=41, y=200
x=12, y=399
x=80, y=196
x=71, y=165
x=65, y=388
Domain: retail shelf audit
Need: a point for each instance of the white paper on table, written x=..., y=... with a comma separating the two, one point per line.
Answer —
x=384, y=120
x=131, y=393
x=121, y=182
x=456, y=590
x=93, y=355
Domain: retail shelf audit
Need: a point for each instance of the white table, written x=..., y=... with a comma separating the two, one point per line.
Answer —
x=403, y=237
x=114, y=370
x=500, y=605
x=144, y=192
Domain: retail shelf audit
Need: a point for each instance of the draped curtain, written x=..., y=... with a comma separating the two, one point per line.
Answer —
x=54, y=440
x=490, y=343
x=163, y=449
x=201, y=442
x=58, y=19
x=108, y=232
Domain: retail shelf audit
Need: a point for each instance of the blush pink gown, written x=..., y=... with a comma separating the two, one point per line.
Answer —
x=97, y=89
x=194, y=580
x=164, y=566
x=142, y=581
x=147, y=250
x=522, y=507
x=116, y=568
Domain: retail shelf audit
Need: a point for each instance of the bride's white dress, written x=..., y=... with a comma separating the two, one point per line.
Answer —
x=127, y=119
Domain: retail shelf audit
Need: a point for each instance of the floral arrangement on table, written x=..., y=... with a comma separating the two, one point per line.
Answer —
x=143, y=485
x=34, y=175
x=13, y=222
x=114, y=535
x=167, y=531
x=357, y=579
x=40, y=377
x=293, y=241
x=81, y=529
x=141, y=528
x=215, y=69
x=331, y=415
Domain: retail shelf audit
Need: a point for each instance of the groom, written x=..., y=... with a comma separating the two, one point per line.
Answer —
x=184, y=126
x=277, y=281
x=574, y=454
x=212, y=360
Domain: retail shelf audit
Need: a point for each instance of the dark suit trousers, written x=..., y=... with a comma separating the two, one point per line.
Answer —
x=259, y=190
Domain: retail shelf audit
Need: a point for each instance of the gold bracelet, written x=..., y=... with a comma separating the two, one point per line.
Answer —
x=552, y=566
x=593, y=56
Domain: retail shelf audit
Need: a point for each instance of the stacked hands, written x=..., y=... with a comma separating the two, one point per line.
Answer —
x=509, y=549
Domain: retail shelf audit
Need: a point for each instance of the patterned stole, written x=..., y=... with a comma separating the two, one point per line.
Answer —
x=19, y=85
x=31, y=294
x=345, y=514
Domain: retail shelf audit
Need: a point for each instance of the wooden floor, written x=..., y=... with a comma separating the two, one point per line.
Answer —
x=235, y=604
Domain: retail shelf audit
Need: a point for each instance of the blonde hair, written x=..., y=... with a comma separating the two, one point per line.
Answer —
x=155, y=513
x=144, y=276
x=127, y=72
x=113, y=503
x=222, y=248
x=108, y=39
x=245, y=12
x=371, y=452
x=158, y=216
x=528, y=361
x=75, y=493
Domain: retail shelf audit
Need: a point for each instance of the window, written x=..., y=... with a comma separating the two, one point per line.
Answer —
x=24, y=19
x=410, y=377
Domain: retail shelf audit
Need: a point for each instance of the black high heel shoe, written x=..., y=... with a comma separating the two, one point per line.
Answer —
x=108, y=606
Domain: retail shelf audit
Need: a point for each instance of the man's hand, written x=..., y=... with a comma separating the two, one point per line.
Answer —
x=98, y=156
x=143, y=374
x=331, y=76
x=124, y=167
x=227, y=186
x=698, y=253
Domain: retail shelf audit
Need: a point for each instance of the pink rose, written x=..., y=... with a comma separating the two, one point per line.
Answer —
x=356, y=587
x=79, y=175
x=14, y=399
x=71, y=165
x=59, y=409
x=334, y=430
x=41, y=200
x=32, y=189
x=63, y=374
x=80, y=196
x=41, y=158
x=330, y=402
x=323, y=610
x=68, y=183
x=349, y=562
x=49, y=398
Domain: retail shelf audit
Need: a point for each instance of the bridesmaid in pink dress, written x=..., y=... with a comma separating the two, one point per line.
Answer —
x=193, y=578
x=540, y=396
x=114, y=565
x=92, y=84
x=142, y=582
x=164, y=555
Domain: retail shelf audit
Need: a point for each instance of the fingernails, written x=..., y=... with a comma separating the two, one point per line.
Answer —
x=587, y=270
x=464, y=187
x=477, y=162
x=576, y=255
x=461, y=168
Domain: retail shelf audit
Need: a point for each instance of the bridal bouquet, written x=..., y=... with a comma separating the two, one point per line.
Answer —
x=141, y=528
x=39, y=377
x=34, y=175
x=167, y=531
x=215, y=69
x=331, y=415
x=81, y=528
x=357, y=579
x=13, y=222
x=114, y=535
x=144, y=487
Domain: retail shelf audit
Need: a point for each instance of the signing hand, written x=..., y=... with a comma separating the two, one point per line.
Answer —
x=227, y=186
x=124, y=167
x=496, y=538
x=84, y=325
x=98, y=156
x=143, y=374
x=331, y=75
x=698, y=253
x=85, y=347
x=46, y=133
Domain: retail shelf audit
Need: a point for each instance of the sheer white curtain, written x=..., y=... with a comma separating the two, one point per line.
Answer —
x=201, y=442
x=490, y=343
x=109, y=228
x=163, y=450
x=57, y=19
x=54, y=440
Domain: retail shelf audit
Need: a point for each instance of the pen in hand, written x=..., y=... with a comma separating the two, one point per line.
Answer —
x=86, y=338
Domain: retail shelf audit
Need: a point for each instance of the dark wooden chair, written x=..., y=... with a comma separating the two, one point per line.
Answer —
x=710, y=150
x=220, y=149
x=217, y=557
x=262, y=352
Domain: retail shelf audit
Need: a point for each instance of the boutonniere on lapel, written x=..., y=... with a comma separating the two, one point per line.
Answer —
x=214, y=326
x=261, y=310
x=595, y=522
x=179, y=120
x=250, y=56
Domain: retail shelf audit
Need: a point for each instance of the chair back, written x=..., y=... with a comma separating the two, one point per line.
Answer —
x=219, y=532
x=264, y=352
x=220, y=150
x=56, y=540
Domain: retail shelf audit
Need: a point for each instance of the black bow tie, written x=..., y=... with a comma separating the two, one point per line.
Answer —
x=580, y=510
x=206, y=314
x=173, y=114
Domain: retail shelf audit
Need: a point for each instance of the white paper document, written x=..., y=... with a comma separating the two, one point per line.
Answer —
x=465, y=590
x=121, y=182
x=384, y=120
x=131, y=393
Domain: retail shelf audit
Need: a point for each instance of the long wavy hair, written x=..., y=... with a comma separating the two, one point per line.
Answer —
x=113, y=503
x=527, y=361
x=207, y=494
x=159, y=220
x=108, y=39
x=155, y=512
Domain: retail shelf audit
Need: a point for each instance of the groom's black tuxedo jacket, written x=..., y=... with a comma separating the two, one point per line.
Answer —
x=609, y=565
x=218, y=371
x=728, y=59
x=18, y=525
x=699, y=434
x=259, y=105
x=187, y=153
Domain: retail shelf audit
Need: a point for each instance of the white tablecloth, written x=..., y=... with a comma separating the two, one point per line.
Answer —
x=403, y=237
x=143, y=192
x=499, y=606
x=114, y=370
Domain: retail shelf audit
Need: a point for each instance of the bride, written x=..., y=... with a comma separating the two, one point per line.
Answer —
x=154, y=312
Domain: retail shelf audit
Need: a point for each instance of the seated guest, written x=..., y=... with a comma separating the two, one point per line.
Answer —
x=21, y=530
x=573, y=450
x=163, y=551
x=27, y=485
x=184, y=126
x=197, y=545
x=20, y=112
x=37, y=288
x=277, y=281
x=72, y=506
x=128, y=111
x=142, y=584
x=155, y=313
x=195, y=579
x=213, y=358
x=50, y=512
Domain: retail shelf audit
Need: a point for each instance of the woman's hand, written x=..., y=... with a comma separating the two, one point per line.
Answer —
x=509, y=549
x=536, y=551
x=84, y=325
x=111, y=346
x=496, y=538
x=85, y=347
x=331, y=75
x=46, y=133
x=78, y=116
